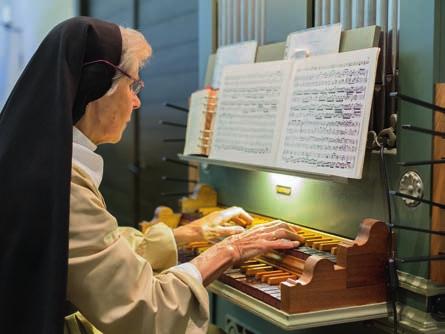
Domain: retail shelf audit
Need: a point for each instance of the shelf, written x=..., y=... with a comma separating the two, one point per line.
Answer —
x=204, y=160
x=295, y=321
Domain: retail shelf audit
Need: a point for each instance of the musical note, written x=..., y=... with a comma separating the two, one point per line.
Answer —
x=248, y=106
x=308, y=115
x=327, y=106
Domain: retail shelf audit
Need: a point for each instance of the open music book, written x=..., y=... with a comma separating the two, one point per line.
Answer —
x=308, y=115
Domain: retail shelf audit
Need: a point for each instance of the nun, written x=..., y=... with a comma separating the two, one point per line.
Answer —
x=58, y=242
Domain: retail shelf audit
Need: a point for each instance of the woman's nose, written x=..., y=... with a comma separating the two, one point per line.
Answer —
x=136, y=102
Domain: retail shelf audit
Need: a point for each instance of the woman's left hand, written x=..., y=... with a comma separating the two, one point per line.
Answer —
x=214, y=227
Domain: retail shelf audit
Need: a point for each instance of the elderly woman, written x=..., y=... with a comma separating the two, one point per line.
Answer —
x=58, y=240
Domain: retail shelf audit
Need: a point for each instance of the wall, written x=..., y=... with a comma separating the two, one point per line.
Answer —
x=30, y=22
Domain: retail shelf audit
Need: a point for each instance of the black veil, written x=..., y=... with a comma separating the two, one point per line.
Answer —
x=35, y=169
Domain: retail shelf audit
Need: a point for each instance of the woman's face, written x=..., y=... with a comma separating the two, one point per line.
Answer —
x=106, y=118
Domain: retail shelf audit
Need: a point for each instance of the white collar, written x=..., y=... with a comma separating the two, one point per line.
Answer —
x=84, y=156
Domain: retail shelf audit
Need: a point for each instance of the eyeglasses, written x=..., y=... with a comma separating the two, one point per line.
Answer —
x=137, y=84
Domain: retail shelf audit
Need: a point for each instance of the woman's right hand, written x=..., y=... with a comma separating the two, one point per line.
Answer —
x=264, y=238
x=240, y=247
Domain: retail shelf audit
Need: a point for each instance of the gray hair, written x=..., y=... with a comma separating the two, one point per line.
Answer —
x=135, y=52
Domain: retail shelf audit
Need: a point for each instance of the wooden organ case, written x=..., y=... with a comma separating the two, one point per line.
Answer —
x=309, y=278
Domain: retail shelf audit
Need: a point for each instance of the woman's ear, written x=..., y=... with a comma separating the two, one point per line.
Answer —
x=91, y=86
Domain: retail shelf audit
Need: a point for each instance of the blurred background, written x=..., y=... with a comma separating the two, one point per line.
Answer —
x=170, y=76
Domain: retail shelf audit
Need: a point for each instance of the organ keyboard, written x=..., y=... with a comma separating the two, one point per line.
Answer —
x=326, y=272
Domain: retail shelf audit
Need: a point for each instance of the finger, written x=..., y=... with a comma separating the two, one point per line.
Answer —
x=256, y=227
x=239, y=221
x=229, y=230
x=274, y=225
x=294, y=228
x=243, y=216
x=281, y=244
x=266, y=226
x=236, y=212
x=282, y=233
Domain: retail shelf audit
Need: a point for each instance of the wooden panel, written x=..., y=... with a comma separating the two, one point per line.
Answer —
x=361, y=38
x=169, y=33
x=158, y=12
x=438, y=215
x=170, y=60
x=173, y=87
x=357, y=278
x=115, y=11
x=270, y=52
x=119, y=201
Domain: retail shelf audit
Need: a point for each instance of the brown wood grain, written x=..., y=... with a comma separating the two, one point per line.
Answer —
x=358, y=278
x=193, y=174
x=437, y=268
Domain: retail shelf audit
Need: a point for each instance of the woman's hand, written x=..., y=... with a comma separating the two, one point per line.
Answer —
x=264, y=238
x=240, y=247
x=214, y=227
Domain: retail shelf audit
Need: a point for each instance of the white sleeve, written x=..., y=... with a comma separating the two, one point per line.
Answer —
x=190, y=269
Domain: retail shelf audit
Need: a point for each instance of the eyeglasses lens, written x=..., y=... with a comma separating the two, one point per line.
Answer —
x=137, y=86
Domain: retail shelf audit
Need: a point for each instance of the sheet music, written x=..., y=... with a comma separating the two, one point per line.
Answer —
x=239, y=53
x=316, y=41
x=195, y=122
x=249, y=112
x=328, y=112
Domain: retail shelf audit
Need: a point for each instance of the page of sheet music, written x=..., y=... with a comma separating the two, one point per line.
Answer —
x=316, y=41
x=327, y=115
x=195, y=122
x=239, y=53
x=249, y=112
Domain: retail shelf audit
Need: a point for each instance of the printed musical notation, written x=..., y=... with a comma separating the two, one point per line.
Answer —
x=309, y=115
x=239, y=53
x=249, y=103
x=328, y=106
